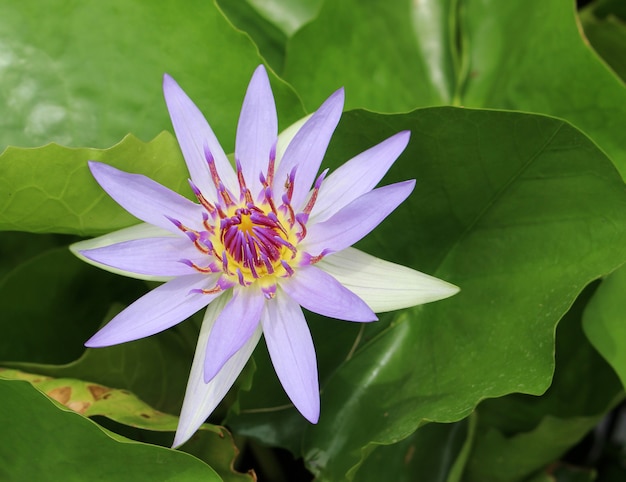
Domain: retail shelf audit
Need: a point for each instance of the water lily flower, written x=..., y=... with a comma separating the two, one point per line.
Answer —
x=261, y=241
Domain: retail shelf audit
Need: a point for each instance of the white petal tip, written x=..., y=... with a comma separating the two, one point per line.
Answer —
x=447, y=290
x=432, y=289
x=180, y=439
x=385, y=286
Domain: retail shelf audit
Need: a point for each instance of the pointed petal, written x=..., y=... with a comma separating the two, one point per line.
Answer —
x=356, y=220
x=319, y=292
x=139, y=231
x=257, y=130
x=384, y=286
x=151, y=256
x=233, y=327
x=202, y=398
x=307, y=148
x=291, y=349
x=286, y=136
x=146, y=199
x=194, y=134
x=357, y=176
x=161, y=308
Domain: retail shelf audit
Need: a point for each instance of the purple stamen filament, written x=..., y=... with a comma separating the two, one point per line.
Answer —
x=249, y=241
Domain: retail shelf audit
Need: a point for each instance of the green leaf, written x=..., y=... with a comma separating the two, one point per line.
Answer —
x=391, y=56
x=607, y=34
x=520, y=211
x=72, y=299
x=519, y=434
x=265, y=412
x=90, y=399
x=567, y=473
x=270, y=23
x=402, y=55
x=212, y=444
x=288, y=15
x=510, y=459
x=435, y=452
x=606, y=8
x=604, y=321
x=50, y=189
x=552, y=70
x=42, y=441
x=269, y=39
x=80, y=86
x=52, y=303
x=154, y=368
x=219, y=451
x=16, y=247
x=521, y=226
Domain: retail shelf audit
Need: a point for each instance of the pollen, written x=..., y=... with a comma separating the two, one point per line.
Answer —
x=246, y=225
x=249, y=241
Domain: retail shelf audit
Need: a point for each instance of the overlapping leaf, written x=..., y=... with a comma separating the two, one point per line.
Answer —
x=90, y=399
x=434, y=452
x=52, y=303
x=605, y=321
x=50, y=189
x=68, y=81
x=550, y=72
x=521, y=212
x=404, y=55
x=373, y=49
x=72, y=448
x=518, y=435
x=604, y=23
x=212, y=444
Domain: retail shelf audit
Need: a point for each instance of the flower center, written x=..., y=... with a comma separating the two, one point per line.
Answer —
x=249, y=242
x=251, y=237
x=255, y=243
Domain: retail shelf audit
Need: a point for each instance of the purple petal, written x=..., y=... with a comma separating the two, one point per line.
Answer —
x=357, y=176
x=233, y=327
x=146, y=199
x=161, y=308
x=356, y=219
x=150, y=256
x=194, y=134
x=202, y=398
x=308, y=147
x=319, y=292
x=257, y=130
x=291, y=349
